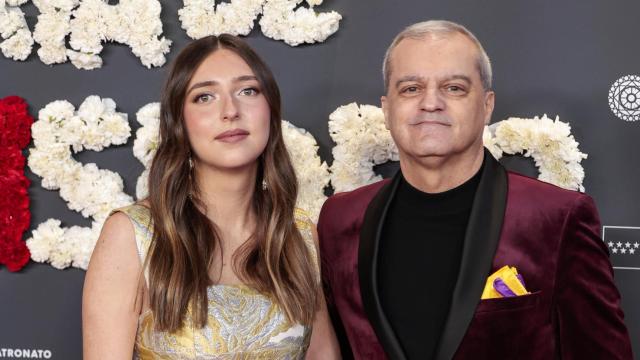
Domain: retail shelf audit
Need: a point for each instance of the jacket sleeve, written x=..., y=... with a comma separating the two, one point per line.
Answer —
x=588, y=316
x=325, y=239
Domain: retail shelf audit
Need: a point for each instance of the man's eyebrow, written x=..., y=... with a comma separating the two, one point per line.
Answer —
x=408, y=78
x=213, y=82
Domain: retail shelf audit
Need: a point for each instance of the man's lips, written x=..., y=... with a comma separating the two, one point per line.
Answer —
x=431, y=122
x=232, y=135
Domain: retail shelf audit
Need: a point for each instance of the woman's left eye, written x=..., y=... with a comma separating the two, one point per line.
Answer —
x=249, y=91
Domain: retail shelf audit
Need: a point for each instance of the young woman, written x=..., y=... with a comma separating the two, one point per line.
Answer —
x=217, y=262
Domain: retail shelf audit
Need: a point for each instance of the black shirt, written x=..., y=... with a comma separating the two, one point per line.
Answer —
x=419, y=260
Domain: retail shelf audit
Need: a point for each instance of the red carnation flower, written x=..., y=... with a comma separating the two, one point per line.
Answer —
x=15, y=134
x=15, y=122
x=11, y=158
x=15, y=104
x=14, y=255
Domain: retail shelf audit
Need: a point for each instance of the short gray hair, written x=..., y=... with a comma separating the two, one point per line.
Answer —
x=440, y=28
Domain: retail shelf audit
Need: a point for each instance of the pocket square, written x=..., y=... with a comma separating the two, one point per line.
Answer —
x=505, y=282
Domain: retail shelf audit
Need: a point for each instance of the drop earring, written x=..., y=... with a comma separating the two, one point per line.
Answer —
x=190, y=162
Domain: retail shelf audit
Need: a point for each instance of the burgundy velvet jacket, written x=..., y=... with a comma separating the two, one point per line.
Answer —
x=552, y=237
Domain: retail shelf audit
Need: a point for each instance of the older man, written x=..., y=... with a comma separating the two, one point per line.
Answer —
x=407, y=259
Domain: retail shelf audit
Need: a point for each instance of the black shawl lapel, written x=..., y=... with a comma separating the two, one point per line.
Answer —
x=480, y=244
x=368, y=267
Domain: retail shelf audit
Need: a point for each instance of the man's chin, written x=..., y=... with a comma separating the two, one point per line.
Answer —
x=441, y=154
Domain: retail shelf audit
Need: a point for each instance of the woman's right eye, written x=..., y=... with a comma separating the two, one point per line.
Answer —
x=202, y=98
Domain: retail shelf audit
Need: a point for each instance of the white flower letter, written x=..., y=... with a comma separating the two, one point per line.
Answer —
x=92, y=22
x=362, y=141
x=280, y=19
x=549, y=142
x=133, y=22
x=93, y=192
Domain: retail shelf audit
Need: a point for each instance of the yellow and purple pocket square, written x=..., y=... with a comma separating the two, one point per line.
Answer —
x=505, y=282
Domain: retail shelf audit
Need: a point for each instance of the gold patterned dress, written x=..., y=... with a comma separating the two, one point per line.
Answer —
x=242, y=323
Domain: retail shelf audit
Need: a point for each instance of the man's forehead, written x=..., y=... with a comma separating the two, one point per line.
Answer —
x=431, y=47
x=438, y=40
x=442, y=56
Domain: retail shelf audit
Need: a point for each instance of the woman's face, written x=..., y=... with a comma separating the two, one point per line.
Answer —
x=225, y=113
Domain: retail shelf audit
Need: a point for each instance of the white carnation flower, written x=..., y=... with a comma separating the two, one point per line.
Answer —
x=84, y=240
x=45, y=237
x=89, y=26
x=18, y=46
x=490, y=143
x=84, y=61
x=15, y=2
x=52, y=55
x=91, y=109
x=311, y=171
x=151, y=51
x=142, y=185
x=55, y=5
x=146, y=143
x=280, y=22
x=50, y=32
x=61, y=255
x=11, y=20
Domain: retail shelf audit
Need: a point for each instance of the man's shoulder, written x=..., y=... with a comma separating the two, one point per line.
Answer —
x=348, y=204
x=366, y=192
x=527, y=188
x=356, y=197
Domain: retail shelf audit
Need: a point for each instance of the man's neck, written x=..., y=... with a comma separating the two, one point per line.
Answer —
x=437, y=174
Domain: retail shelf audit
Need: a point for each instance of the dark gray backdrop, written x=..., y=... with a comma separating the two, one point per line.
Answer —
x=552, y=57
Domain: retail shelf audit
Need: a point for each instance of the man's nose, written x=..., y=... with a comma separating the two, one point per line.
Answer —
x=432, y=100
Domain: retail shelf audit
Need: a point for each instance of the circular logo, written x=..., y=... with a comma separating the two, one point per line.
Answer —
x=624, y=98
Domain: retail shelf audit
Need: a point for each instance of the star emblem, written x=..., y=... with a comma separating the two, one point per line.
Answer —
x=623, y=250
x=635, y=245
x=628, y=244
x=619, y=244
x=632, y=251
x=614, y=250
x=611, y=244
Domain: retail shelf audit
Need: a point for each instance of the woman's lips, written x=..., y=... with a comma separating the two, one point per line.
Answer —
x=232, y=136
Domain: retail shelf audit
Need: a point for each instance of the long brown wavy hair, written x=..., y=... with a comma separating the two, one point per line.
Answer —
x=275, y=260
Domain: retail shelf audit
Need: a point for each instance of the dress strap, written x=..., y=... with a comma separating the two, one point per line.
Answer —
x=305, y=226
x=143, y=229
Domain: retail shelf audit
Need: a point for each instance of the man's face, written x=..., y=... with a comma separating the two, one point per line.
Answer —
x=436, y=106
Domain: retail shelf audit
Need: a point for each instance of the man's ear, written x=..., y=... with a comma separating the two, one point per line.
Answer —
x=489, y=103
x=385, y=111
